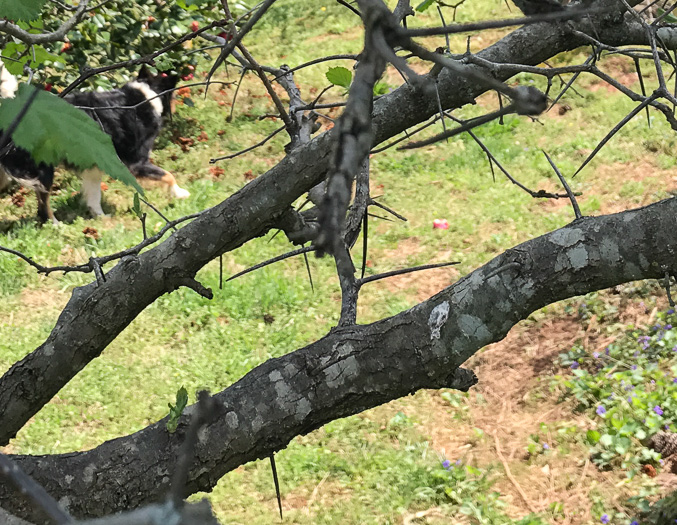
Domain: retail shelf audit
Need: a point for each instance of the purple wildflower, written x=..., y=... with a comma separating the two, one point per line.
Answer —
x=634, y=367
x=604, y=518
x=667, y=327
x=446, y=464
x=575, y=365
x=606, y=350
x=600, y=410
x=658, y=410
x=595, y=355
x=546, y=446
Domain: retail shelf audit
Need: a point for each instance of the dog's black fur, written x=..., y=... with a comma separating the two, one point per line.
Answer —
x=133, y=131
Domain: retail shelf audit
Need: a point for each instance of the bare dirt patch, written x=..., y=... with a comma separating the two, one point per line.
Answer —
x=511, y=403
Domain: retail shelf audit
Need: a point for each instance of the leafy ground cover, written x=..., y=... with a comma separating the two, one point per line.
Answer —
x=539, y=461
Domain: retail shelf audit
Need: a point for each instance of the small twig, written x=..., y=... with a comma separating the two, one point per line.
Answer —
x=346, y=4
x=511, y=477
x=572, y=197
x=27, y=486
x=403, y=271
x=196, y=286
x=271, y=261
x=250, y=148
x=373, y=202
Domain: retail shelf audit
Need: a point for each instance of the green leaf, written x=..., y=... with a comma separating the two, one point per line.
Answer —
x=176, y=411
x=669, y=18
x=53, y=132
x=340, y=76
x=423, y=6
x=136, y=208
x=21, y=9
x=593, y=437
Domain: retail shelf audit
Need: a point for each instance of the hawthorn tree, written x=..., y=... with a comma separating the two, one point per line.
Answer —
x=354, y=367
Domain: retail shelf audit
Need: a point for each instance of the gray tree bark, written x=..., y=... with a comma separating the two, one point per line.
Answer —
x=351, y=369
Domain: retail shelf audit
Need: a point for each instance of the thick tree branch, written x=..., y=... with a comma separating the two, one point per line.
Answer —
x=96, y=315
x=359, y=367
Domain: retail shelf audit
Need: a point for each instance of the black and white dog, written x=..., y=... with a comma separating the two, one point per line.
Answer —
x=131, y=115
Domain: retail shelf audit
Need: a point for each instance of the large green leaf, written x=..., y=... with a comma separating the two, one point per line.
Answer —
x=21, y=9
x=340, y=76
x=53, y=131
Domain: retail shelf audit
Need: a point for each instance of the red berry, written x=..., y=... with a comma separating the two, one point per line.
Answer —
x=190, y=67
x=48, y=87
x=194, y=26
x=67, y=46
x=187, y=77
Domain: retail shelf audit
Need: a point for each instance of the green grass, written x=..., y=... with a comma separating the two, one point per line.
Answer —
x=364, y=471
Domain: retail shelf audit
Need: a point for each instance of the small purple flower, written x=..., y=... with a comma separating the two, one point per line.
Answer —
x=634, y=522
x=458, y=463
x=634, y=367
x=575, y=365
x=658, y=410
x=546, y=446
x=600, y=410
x=667, y=327
x=666, y=427
x=669, y=312
x=630, y=400
x=653, y=381
x=446, y=464
x=611, y=396
x=606, y=350
x=595, y=355
x=604, y=518
x=674, y=379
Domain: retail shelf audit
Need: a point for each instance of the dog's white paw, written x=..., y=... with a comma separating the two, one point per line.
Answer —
x=178, y=192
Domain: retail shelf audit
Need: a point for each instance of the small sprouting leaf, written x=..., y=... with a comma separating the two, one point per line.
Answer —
x=176, y=411
x=340, y=76
x=136, y=208
x=26, y=10
x=424, y=5
x=53, y=131
x=670, y=18
x=188, y=102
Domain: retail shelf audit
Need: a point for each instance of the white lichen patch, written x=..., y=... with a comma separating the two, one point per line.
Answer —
x=302, y=408
x=88, y=473
x=337, y=373
x=567, y=237
x=282, y=390
x=438, y=317
x=274, y=376
x=578, y=257
x=232, y=420
x=609, y=251
x=474, y=327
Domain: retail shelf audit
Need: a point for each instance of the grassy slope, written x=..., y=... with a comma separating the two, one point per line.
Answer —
x=373, y=468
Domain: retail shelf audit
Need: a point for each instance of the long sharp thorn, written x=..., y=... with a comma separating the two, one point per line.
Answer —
x=615, y=130
x=641, y=85
x=277, y=483
x=310, y=275
x=220, y=272
x=364, y=244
